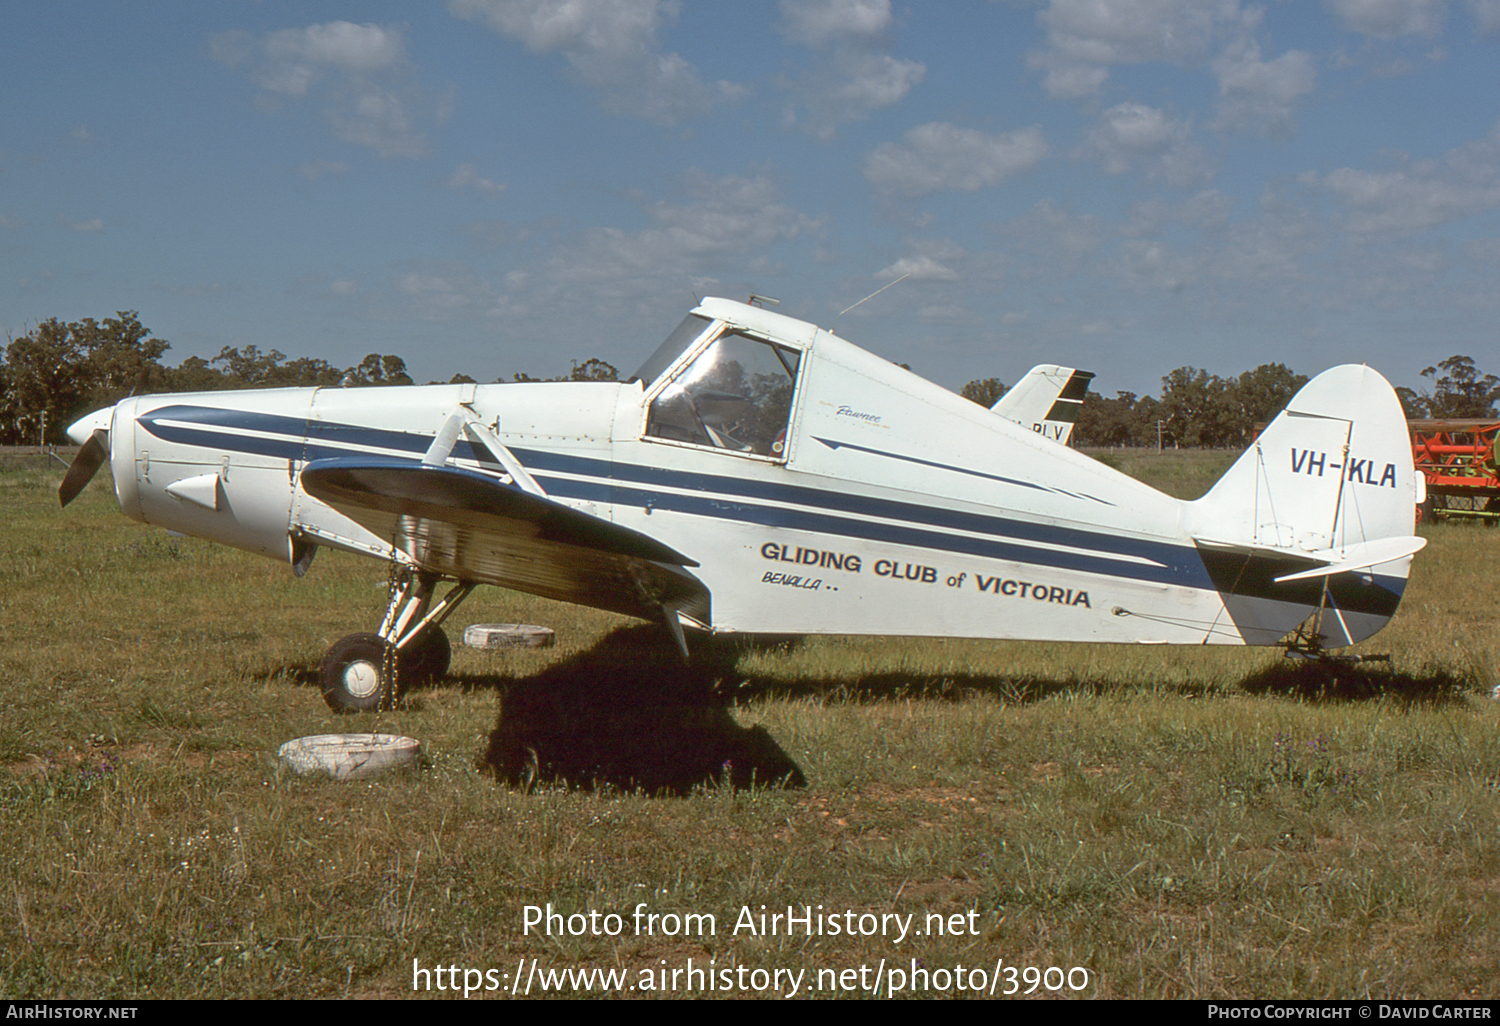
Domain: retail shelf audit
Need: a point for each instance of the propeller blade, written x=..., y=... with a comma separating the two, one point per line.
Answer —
x=94, y=452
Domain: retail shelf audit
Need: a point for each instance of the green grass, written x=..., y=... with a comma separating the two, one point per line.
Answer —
x=1178, y=822
x=1185, y=473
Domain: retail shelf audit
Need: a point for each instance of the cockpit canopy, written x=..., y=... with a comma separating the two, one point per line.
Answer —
x=734, y=393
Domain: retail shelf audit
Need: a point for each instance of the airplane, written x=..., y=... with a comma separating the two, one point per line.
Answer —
x=1047, y=400
x=761, y=475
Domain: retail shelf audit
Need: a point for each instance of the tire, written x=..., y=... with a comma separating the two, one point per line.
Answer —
x=354, y=672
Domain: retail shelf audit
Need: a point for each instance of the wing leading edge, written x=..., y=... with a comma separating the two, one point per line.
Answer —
x=464, y=525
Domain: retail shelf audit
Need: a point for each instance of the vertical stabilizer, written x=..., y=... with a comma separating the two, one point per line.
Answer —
x=1046, y=400
x=1317, y=516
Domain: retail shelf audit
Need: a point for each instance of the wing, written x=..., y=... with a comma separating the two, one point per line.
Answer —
x=468, y=526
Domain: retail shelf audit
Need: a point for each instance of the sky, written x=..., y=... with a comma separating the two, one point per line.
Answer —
x=499, y=186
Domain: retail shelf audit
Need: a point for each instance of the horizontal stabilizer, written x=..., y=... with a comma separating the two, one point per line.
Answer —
x=1359, y=557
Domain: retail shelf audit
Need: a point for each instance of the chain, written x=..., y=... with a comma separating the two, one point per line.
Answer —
x=389, y=661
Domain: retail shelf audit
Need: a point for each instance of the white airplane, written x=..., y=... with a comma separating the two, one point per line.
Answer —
x=760, y=474
x=1047, y=400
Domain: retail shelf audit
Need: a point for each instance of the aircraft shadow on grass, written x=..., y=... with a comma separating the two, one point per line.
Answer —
x=1360, y=682
x=1308, y=681
x=629, y=714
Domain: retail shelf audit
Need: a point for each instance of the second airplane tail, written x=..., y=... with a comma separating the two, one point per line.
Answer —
x=1047, y=400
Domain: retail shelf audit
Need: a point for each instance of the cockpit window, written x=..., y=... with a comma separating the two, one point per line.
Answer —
x=735, y=395
x=684, y=335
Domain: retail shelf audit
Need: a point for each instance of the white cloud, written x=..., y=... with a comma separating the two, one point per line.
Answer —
x=931, y=263
x=466, y=178
x=1486, y=15
x=851, y=76
x=296, y=58
x=1050, y=243
x=1131, y=135
x=730, y=224
x=1151, y=263
x=847, y=87
x=92, y=225
x=611, y=46
x=939, y=156
x=358, y=74
x=821, y=22
x=1387, y=19
x=1086, y=37
x=729, y=214
x=1209, y=208
x=443, y=291
x=1258, y=97
x=1270, y=248
x=1421, y=195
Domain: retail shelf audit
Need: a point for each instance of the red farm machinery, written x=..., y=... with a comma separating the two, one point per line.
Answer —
x=1458, y=460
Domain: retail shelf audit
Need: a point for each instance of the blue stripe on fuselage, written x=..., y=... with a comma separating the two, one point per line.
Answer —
x=327, y=440
x=763, y=503
x=719, y=497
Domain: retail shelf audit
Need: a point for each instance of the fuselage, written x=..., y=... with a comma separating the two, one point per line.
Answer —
x=820, y=488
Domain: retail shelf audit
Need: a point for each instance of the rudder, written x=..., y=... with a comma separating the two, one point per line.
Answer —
x=1317, y=514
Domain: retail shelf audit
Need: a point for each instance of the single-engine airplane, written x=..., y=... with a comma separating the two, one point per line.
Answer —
x=760, y=474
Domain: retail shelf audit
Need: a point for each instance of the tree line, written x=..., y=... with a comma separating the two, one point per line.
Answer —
x=1197, y=409
x=59, y=371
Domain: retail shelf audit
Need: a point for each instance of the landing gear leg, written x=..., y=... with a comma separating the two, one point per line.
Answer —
x=1306, y=642
x=368, y=672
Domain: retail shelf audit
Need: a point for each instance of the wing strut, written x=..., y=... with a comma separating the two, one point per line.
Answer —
x=463, y=420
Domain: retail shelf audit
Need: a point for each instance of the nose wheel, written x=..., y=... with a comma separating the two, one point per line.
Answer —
x=368, y=672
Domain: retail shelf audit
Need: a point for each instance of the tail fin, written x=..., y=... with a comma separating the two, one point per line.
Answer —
x=1046, y=400
x=1317, y=516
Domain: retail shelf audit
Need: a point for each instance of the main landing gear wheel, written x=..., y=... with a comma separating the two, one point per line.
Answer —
x=355, y=668
x=358, y=670
x=354, y=672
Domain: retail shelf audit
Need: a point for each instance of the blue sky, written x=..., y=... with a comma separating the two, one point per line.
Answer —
x=493, y=186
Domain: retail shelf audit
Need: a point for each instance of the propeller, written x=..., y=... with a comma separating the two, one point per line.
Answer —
x=94, y=452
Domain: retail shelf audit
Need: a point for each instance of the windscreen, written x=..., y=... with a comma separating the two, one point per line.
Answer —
x=684, y=335
x=735, y=395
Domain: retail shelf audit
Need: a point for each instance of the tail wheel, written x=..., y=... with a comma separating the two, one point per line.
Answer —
x=354, y=674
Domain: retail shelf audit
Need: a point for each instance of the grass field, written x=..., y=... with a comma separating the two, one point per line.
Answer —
x=1146, y=822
